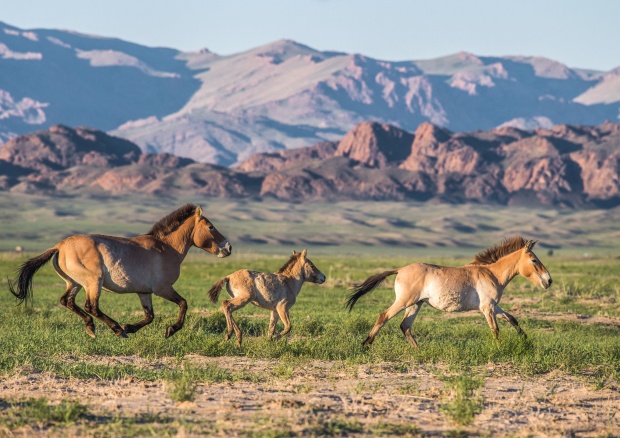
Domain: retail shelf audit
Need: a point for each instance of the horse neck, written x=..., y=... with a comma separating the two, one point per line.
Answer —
x=506, y=268
x=181, y=238
x=295, y=278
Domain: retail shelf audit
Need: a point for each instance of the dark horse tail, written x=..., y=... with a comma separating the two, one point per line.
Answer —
x=367, y=286
x=214, y=292
x=21, y=287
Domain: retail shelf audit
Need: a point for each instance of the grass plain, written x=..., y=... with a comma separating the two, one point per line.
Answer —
x=318, y=381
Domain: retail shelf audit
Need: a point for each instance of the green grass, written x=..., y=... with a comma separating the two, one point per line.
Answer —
x=462, y=400
x=48, y=337
x=348, y=242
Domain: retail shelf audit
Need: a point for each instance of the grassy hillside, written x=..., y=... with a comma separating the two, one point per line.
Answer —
x=272, y=227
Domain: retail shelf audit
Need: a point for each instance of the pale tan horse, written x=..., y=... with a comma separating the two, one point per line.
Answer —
x=145, y=265
x=477, y=285
x=276, y=292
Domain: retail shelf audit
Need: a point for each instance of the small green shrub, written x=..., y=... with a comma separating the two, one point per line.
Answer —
x=463, y=400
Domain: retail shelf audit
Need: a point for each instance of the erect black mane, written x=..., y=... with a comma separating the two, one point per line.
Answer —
x=168, y=224
x=493, y=254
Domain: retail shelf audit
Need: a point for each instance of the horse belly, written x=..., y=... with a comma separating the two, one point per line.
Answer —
x=454, y=300
x=127, y=275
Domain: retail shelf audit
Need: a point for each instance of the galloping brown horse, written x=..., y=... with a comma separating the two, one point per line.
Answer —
x=477, y=285
x=145, y=265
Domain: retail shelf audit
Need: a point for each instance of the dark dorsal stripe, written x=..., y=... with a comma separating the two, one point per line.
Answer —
x=493, y=254
x=173, y=221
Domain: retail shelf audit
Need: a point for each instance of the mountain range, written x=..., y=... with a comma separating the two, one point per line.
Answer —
x=566, y=165
x=284, y=95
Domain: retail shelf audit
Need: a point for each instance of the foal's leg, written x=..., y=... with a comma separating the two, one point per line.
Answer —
x=384, y=317
x=273, y=320
x=93, y=292
x=511, y=319
x=228, y=307
x=410, y=314
x=171, y=295
x=68, y=300
x=489, y=313
x=283, y=313
x=147, y=304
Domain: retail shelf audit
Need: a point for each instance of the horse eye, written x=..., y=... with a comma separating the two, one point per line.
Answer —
x=534, y=261
x=211, y=227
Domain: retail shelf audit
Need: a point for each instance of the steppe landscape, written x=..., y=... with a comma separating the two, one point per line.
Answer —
x=560, y=381
x=368, y=164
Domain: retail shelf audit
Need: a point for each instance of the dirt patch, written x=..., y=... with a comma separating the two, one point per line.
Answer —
x=318, y=398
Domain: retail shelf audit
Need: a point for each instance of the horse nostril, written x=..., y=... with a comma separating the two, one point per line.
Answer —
x=550, y=281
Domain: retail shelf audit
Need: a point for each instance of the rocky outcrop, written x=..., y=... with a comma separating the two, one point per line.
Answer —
x=375, y=145
x=571, y=166
x=62, y=147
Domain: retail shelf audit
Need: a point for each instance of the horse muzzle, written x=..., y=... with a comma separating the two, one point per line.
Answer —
x=224, y=250
x=320, y=279
x=546, y=281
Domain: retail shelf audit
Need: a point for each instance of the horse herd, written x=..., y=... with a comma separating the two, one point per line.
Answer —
x=150, y=264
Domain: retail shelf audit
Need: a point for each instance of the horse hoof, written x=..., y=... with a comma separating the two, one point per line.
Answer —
x=91, y=331
x=169, y=331
x=128, y=328
x=227, y=336
x=121, y=334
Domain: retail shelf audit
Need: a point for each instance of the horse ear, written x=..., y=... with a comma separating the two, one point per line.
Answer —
x=304, y=253
x=198, y=211
x=530, y=244
x=295, y=252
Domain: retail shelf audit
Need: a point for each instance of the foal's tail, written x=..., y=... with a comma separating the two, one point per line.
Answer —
x=367, y=286
x=214, y=292
x=21, y=287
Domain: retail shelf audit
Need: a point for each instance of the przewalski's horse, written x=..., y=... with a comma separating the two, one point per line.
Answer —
x=147, y=264
x=477, y=285
x=276, y=292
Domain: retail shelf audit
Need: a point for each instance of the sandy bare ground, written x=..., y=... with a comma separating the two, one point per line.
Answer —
x=354, y=399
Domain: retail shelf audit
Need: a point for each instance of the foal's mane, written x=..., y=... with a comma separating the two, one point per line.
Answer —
x=288, y=266
x=494, y=253
x=168, y=224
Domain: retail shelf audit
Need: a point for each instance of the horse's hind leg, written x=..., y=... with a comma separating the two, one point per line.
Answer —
x=384, y=317
x=171, y=295
x=510, y=319
x=228, y=307
x=410, y=313
x=68, y=300
x=147, y=304
x=93, y=292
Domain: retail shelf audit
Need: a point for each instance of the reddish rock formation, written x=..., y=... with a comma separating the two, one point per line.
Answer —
x=564, y=165
x=375, y=145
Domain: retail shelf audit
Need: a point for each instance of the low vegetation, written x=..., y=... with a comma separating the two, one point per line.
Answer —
x=571, y=328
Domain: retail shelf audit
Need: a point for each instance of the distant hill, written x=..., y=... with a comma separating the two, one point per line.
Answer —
x=284, y=95
x=571, y=166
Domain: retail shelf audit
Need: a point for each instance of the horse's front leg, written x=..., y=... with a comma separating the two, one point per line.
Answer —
x=147, y=305
x=489, y=312
x=510, y=319
x=273, y=320
x=171, y=295
x=283, y=313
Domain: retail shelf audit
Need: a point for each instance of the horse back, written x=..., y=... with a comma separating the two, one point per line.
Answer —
x=124, y=264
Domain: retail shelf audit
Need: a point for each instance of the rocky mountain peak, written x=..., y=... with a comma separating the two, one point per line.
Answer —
x=375, y=144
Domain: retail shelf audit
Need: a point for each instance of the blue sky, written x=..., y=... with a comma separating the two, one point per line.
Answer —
x=577, y=33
